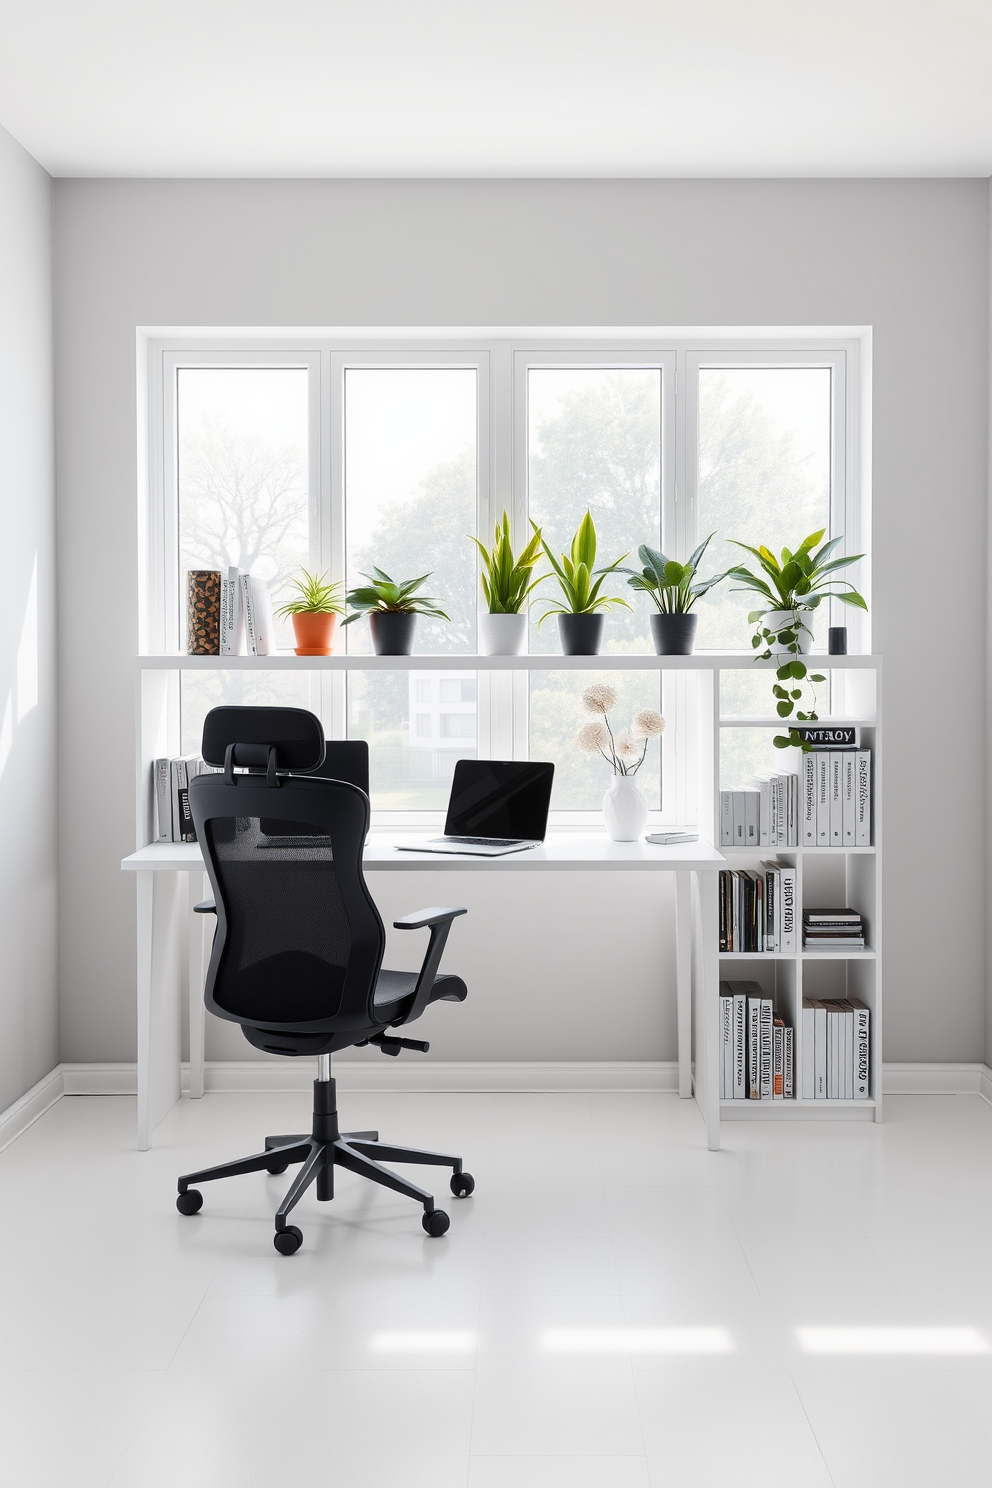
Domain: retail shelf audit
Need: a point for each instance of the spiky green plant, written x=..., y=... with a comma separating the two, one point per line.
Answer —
x=669, y=583
x=315, y=596
x=581, y=590
x=506, y=581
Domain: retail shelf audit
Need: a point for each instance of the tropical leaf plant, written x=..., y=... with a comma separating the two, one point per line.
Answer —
x=576, y=574
x=315, y=596
x=669, y=583
x=506, y=581
x=385, y=596
x=797, y=585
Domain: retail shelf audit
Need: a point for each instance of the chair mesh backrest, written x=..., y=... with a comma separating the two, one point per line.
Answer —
x=298, y=944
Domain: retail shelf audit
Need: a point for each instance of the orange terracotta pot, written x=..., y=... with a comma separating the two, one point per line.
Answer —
x=314, y=631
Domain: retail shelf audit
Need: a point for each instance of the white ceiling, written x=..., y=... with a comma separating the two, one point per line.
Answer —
x=500, y=87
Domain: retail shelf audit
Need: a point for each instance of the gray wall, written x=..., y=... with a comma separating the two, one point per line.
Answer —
x=29, y=1006
x=909, y=258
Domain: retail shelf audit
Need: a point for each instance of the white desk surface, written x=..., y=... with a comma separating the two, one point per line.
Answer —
x=562, y=851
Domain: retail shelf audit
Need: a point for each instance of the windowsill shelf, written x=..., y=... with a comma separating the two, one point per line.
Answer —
x=700, y=661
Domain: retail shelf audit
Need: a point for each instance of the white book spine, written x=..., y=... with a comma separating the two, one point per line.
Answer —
x=726, y=818
x=809, y=1059
x=849, y=787
x=819, y=1052
x=822, y=798
x=264, y=624
x=764, y=811
x=752, y=800
x=863, y=829
x=767, y=1047
x=754, y=1048
x=848, y=1018
x=727, y=1042
x=231, y=626
x=836, y=799
x=862, y=1052
x=833, y=1052
x=739, y=1090
x=163, y=802
x=809, y=801
x=248, y=610
x=793, y=810
x=789, y=909
x=740, y=819
x=771, y=922
x=789, y=1064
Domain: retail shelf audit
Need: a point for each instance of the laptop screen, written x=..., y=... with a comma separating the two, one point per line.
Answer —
x=499, y=798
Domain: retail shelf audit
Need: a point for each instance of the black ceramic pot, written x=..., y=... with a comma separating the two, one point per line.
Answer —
x=580, y=635
x=674, y=635
x=392, y=632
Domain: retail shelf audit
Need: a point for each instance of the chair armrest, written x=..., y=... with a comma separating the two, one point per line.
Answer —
x=205, y=906
x=421, y=918
x=438, y=920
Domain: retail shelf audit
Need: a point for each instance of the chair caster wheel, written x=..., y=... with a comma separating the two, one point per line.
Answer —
x=462, y=1184
x=277, y=1167
x=190, y=1202
x=436, y=1222
x=288, y=1241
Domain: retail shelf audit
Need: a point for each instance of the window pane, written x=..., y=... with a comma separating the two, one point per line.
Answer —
x=411, y=492
x=413, y=741
x=764, y=478
x=243, y=476
x=594, y=441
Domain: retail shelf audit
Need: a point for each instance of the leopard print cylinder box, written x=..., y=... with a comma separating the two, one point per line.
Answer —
x=203, y=612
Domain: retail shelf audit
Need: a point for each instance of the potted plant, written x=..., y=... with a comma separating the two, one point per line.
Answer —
x=670, y=585
x=392, y=609
x=314, y=612
x=793, y=590
x=580, y=623
x=625, y=807
x=506, y=583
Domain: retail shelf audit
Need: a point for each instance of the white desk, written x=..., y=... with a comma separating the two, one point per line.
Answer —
x=159, y=914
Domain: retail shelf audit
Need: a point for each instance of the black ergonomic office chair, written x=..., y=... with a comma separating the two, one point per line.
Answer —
x=297, y=955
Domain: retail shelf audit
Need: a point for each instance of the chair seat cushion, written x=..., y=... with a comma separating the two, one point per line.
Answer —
x=394, y=992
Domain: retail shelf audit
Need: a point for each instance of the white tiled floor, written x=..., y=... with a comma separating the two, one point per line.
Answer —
x=615, y=1307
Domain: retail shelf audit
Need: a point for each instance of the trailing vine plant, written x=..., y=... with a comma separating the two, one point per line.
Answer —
x=796, y=586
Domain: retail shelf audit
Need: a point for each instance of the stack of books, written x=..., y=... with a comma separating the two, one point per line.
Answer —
x=246, y=623
x=833, y=930
x=836, y=783
x=765, y=815
x=836, y=1049
x=758, y=908
x=171, y=778
x=758, y=1047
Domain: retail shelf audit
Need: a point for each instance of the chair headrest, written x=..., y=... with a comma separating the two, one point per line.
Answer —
x=247, y=737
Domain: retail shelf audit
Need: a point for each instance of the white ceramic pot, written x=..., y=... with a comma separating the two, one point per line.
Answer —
x=625, y=809
x=503, y=635
x=780, y=619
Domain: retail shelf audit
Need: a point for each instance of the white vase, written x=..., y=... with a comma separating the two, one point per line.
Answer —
x=503, y=635
x=625, y=809
x=782, y=619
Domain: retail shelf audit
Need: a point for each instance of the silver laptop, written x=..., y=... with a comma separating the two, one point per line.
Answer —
x=495, y=807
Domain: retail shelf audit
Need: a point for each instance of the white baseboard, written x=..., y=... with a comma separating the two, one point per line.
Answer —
x=937, y=1079
x=251, y=1076
x=32, y=1104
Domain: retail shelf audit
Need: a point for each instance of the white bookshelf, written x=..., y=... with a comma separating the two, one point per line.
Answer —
x=836, y=875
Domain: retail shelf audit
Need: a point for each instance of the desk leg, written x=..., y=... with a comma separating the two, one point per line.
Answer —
x=199, y=925
x=707, y=1009
x=158, y=999
x=683, y=979
x=146, y=919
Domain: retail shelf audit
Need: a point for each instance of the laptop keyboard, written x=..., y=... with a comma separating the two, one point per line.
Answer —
x=483, y=841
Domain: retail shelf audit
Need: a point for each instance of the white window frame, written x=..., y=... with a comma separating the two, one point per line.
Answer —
x=501, y=360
